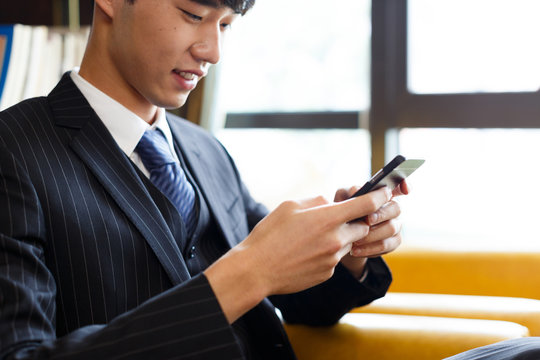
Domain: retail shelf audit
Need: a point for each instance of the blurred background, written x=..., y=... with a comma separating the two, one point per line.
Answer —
x=314, y=96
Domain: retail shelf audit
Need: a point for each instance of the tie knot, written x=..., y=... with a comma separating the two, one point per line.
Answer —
x=154, y=150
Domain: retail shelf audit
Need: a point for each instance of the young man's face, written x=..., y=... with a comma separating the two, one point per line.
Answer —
x=162, y=48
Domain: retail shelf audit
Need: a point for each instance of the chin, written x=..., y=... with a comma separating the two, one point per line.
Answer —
x=171, y=104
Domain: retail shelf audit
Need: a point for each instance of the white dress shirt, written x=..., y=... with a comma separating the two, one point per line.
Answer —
x=125, y=126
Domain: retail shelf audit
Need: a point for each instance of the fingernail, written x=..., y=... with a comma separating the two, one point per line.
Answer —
x=356, y=252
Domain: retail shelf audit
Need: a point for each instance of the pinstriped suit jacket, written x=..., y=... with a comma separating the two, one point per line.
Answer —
x=88, y=266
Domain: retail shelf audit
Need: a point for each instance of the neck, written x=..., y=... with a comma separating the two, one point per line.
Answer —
x=99, y=70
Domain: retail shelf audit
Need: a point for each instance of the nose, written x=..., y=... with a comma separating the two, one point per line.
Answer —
x=208, y=47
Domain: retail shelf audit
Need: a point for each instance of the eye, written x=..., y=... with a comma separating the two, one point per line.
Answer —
x=191, y=16
x=228, y=22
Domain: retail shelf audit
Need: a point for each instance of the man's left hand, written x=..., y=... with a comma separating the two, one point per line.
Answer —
x=384, y=235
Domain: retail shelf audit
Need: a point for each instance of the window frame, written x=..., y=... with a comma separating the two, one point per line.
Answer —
x=298, y=120
x=393, y=107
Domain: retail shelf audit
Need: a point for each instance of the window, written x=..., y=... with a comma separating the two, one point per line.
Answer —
x=475, y=46
x=292, y=68
x=282, y=164
x=457, y=84
x=477, y=189
x=293, y=56
x=453, y=82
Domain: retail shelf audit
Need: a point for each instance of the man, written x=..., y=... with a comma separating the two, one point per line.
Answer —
x=127, y=233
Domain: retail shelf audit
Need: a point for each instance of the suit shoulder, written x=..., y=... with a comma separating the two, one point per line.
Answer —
x=23, y=118
x=194, y=136
x=31, y=102
x=186, y=125
x=191, y=130
x=29, y=108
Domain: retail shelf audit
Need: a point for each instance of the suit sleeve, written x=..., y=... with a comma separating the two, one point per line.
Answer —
x=326, y=303
x=185, y=321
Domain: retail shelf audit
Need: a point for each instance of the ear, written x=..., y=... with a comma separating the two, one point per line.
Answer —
x=106, y=7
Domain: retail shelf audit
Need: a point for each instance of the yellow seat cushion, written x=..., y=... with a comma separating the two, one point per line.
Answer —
x=522, y=311
x=382, y=336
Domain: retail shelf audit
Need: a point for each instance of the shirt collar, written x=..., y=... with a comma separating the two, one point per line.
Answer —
x=125, y=126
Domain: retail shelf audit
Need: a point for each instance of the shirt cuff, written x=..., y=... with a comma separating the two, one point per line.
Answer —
x=364, y=274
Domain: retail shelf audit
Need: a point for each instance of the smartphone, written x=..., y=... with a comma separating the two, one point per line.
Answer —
x=391, y=175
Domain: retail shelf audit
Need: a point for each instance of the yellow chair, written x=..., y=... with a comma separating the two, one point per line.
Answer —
x=397, y=337
x=522, y=311
x=492, y=273
x=440, y=303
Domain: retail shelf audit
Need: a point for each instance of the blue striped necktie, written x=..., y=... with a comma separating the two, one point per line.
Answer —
x=167, y=175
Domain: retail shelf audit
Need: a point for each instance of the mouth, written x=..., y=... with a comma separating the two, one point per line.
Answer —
x=186, y=75
x=187, y=79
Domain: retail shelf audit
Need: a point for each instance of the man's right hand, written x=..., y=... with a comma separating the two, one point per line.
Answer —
x=295, y=247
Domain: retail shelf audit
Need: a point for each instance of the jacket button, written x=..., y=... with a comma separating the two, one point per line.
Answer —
x=191, y=254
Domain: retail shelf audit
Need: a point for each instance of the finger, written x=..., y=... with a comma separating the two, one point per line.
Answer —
x=344, y=250
x=382, y=231
x=388, y=211
x=401, y=189
x=353, y=190
x=377, y=248
x=354, y=231
x=344, y=194
x=341, y=194
x=378, y=233
x=360, y=206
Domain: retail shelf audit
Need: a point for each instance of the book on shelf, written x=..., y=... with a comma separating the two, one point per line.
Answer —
x=33, y=58
x=17, y=54
x=37, y=55
x=6, y=34
x=3, y=50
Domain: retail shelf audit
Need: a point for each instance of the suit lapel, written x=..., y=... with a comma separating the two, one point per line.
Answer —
x=214, y=189
x=100, y=153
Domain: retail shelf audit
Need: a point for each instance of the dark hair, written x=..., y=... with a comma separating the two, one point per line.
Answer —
x=238, y=6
